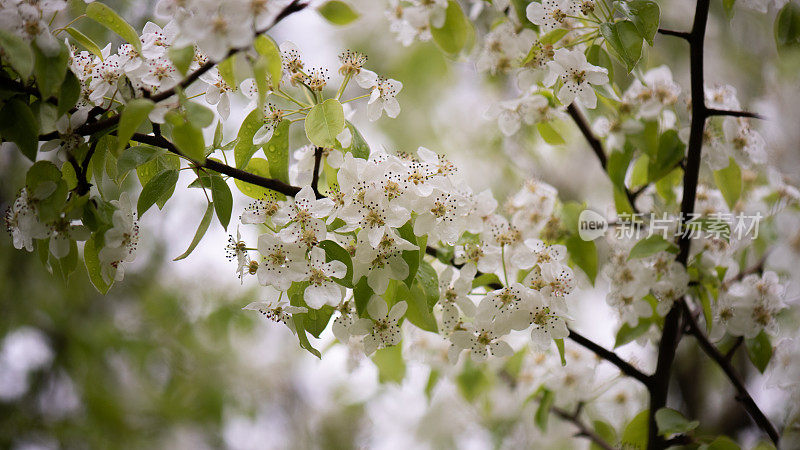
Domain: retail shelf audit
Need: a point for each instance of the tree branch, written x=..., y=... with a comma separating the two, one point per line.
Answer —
x=595, y=144
x=315, y=176
x=624, y=366
x=742, y=395
x=679, y=34
x=670, y=336
x=723, y=112
x=583, y=430
x=210, y=164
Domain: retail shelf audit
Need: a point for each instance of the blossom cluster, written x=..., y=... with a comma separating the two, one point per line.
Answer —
x=379, y=209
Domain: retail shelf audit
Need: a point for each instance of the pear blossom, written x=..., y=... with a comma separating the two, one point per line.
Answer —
x=120, y=241
x=381, y=264
x=382, y=96
x=576, y=76
x=385, y=331
x=22, y=222
x=550, y=14
x=454, y=288
x=277, y=311
x=479, y=337
x=281, y=264
x=322, y=290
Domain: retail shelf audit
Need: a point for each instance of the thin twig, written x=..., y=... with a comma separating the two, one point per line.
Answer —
x=624, y=366
x=583, y=430
x=742, y=395
x=680, y=34
x=723, y=112
x=315, y=176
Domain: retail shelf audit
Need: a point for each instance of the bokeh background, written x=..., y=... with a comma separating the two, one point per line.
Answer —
x=167, y=359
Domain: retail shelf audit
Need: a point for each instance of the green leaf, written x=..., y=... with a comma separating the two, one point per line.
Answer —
x=672, y=422
x=361, y=294
x=549, y=134
x=19, y=125
x=50, y=71
x=729, y=182
x=197, y=114
x=650, y=246
x=271, y=54
x=599, y=57
x=728, y=6
x=324, y=122
x=624, y=38
x=584, y=254
x=560, y=347
x=227, y=70
x=411, y=257
x=358, y=145
x=181, y=58
x=605, y=431
x=161, y=185
x=334, y=251
x=454, y=33
x=108, y=18
x=42, y=179
x=759, y=350
x=299, y=325
x=93, y=268
x=635, y=434
x=134, y=157
x=472, y=381
x=390, y=364
x=670, y=152
x=721, y=443
x=628, y=333
x=553, y=36
x=645, y=15
x=277, y=151
x=485, y=279
x=337, y=12
x=201, y=231
x=188, y=138
x=223, y=200
x=18, y=53
x=543, y=411
x=315, y=320
x=86, y=42
x=256, y=166
x=705, y=301
x=421, y=298
x=133, y=115
x=244, y=148
x=433, y=379
x=787, y=27
x=70, y=92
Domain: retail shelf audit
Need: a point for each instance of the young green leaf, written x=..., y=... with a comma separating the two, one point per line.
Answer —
x=337, y=12
x=543, y=411
x=650, y=246
x=133, y=115
x=189, y=139
x=787, y=27
x=108, y=18
x=223, y=200
x=93, y=268
x=18, y=53
x=70, y=92
x=181, y=58
x=358, y=146
x=672, y=422
x=271, y=54
x=50, y=70
x=626, y=41
x=244, y=148
x=277, y=151
x=599, y=57
x=19, y=125
x=201, y=231
x=324, y=122
x=227, y=70
x=454, y=33
x=645, y=15
x=390, y=363
x=334, y=251
x=670, y=152
x=759, y=350
x=134, y=157
x=549, y=134
x=161, y=185
x=729, y=182
x=584, y=255
x=85, y=41
x=635, y=433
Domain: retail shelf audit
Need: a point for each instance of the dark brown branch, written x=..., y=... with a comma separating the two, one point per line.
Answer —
x=624, y=366
x=680, y=34
x=742, y=395
x=728, y=356
x=724, y=112
x=671, y=335
x=210, y=164
x=583, y=430
x=315, y=176
x=595, y=144
x=587, y=132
